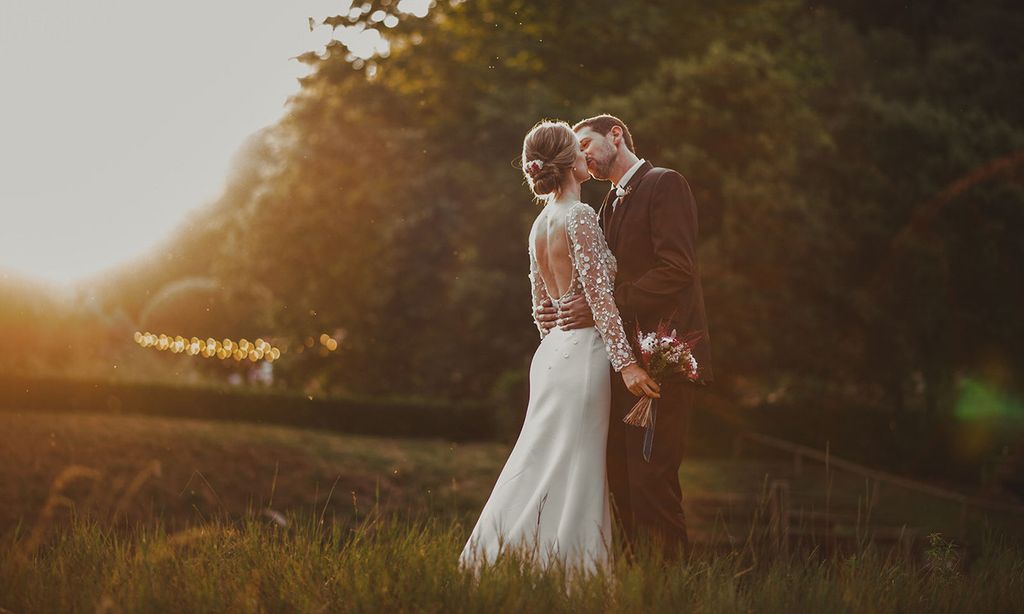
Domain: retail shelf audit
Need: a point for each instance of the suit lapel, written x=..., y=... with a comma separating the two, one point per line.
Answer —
x=621, y=210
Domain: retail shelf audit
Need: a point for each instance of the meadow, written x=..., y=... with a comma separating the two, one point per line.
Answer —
x=387, y=564
x=135, y=513
x=856, y=170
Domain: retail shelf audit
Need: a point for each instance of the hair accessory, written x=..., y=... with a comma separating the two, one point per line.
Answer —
x=533, y=166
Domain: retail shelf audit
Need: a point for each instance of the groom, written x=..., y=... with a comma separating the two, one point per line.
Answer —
x=649, y=219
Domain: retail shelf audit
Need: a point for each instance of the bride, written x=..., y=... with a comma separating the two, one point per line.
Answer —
x=551, y=498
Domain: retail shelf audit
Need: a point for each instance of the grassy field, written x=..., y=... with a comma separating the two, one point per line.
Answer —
x=386, y=565
x=129, y=513
x=136, y=468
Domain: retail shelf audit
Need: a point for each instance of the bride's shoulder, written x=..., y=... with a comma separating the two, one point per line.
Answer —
x=582, y=209
x=581, y=212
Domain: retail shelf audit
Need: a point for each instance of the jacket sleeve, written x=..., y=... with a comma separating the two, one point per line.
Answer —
x=674, y=239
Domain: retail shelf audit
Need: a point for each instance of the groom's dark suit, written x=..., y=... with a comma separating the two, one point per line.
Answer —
x=653, y=234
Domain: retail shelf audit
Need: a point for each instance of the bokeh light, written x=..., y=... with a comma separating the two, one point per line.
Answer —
x=210, y=347
x=243, y=349
x=981, y=401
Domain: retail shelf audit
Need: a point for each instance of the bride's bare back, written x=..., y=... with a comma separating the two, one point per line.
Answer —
x=551, y=245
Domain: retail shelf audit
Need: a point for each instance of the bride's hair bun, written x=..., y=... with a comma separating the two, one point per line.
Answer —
x=549, y=151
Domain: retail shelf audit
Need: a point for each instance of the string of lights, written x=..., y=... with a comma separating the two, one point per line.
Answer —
x=224, y=349
x=240, y=350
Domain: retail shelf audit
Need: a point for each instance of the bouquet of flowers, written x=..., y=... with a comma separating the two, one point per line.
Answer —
x=662, y=352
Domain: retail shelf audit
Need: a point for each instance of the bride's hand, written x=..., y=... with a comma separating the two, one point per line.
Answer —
x=639, y=383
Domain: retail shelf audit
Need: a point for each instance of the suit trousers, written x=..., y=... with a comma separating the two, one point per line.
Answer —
x=646, y=496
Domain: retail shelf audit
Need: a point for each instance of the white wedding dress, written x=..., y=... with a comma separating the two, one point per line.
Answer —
x=551, y=498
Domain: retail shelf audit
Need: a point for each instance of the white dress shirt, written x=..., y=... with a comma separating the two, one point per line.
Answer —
x=624, y=181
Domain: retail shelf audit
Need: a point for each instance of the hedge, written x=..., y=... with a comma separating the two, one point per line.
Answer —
x=368, y=416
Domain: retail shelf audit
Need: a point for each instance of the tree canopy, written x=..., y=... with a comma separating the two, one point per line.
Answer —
x=857, y=169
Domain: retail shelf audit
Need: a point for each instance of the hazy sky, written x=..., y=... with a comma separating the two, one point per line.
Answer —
x=119, y=116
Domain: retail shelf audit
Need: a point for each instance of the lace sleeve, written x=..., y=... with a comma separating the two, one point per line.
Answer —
x=537, y=289
x=595, y=266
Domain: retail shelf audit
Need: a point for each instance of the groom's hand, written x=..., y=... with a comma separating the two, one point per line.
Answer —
x=546, y=315
x=575, y=313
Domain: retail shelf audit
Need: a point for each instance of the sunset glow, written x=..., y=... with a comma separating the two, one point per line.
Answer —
x=121, y=117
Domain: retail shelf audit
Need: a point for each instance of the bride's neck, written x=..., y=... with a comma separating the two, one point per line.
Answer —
x=569, y=194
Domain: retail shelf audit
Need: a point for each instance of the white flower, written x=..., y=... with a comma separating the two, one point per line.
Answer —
x=533, y=166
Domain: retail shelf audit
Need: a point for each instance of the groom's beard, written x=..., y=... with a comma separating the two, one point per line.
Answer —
x=600, y=171
x=603, y=168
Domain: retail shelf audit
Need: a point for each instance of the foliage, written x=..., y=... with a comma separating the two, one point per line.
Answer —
x=810, y=136
x=856, y=167
x=388, y=417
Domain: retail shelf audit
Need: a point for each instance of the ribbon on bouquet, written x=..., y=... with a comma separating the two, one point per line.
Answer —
x=649, y=432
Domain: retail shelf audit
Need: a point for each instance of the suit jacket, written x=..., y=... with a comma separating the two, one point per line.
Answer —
x=653, y=234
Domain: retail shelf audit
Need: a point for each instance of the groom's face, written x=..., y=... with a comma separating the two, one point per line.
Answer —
x=599, y=150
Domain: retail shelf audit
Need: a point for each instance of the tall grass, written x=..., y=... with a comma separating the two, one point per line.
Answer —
x=402, y=564
x=79, y=548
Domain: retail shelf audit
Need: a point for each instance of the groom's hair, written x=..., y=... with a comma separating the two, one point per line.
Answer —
x=604, y=124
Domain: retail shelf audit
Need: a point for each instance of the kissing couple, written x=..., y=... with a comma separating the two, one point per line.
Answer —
x=632, y=263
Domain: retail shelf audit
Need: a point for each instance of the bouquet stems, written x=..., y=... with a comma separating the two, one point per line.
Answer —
x=640, y=415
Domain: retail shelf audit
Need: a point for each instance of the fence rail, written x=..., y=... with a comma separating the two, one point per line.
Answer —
x=801, y=452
